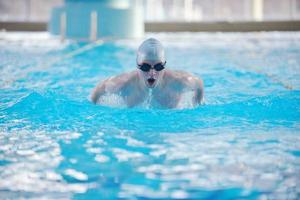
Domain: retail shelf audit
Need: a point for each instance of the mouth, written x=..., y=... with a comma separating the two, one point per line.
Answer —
x=151, y=81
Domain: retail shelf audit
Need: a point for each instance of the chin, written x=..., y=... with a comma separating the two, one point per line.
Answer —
x=151, y=86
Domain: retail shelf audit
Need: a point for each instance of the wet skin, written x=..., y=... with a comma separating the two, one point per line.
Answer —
x=167, y=87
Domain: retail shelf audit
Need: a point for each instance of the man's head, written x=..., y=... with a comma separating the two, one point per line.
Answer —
x=151, y=61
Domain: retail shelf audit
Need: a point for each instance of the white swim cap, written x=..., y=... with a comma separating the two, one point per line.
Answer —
x=150, y=50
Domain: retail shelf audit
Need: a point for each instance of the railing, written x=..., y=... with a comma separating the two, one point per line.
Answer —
x=179, y=26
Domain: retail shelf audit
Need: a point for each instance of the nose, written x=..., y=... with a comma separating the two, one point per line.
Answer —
x=152, y=72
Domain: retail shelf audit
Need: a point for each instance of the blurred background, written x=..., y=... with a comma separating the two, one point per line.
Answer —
x=170, y=10
x=92, y=19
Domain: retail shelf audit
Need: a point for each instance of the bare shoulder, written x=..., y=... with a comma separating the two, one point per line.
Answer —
x=121, y=78
x=188, y=81
x=112, y=85
x=115, y=83
x=185, y=78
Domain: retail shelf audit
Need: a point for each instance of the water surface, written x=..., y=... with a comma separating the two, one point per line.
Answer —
x=243, y=143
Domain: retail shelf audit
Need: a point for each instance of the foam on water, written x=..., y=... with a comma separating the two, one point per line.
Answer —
x=112, y=100
x=115, y=100
x=242, y=143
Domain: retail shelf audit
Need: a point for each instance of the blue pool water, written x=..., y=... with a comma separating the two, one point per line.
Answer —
x=243, y=143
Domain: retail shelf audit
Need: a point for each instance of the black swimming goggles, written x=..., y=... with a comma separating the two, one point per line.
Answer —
x=145, y=67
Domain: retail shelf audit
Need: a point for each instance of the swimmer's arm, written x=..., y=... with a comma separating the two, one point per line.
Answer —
x=114, y=84
x=196, y=84
x=199, y=92
x=98, y=91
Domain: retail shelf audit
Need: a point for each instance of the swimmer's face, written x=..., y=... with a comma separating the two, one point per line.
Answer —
x=151, y=72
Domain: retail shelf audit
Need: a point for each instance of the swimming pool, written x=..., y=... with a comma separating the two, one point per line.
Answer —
x=243, y=143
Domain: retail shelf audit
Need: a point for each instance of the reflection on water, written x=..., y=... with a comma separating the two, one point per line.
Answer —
x=162, y=165
x=27, y=163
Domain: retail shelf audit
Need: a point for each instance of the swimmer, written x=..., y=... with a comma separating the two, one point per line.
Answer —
x=151, y=78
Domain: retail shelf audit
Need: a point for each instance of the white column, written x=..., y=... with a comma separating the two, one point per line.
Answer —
x=63, y=26
x=258, y=7
x=94, y=25
x=188, y=10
